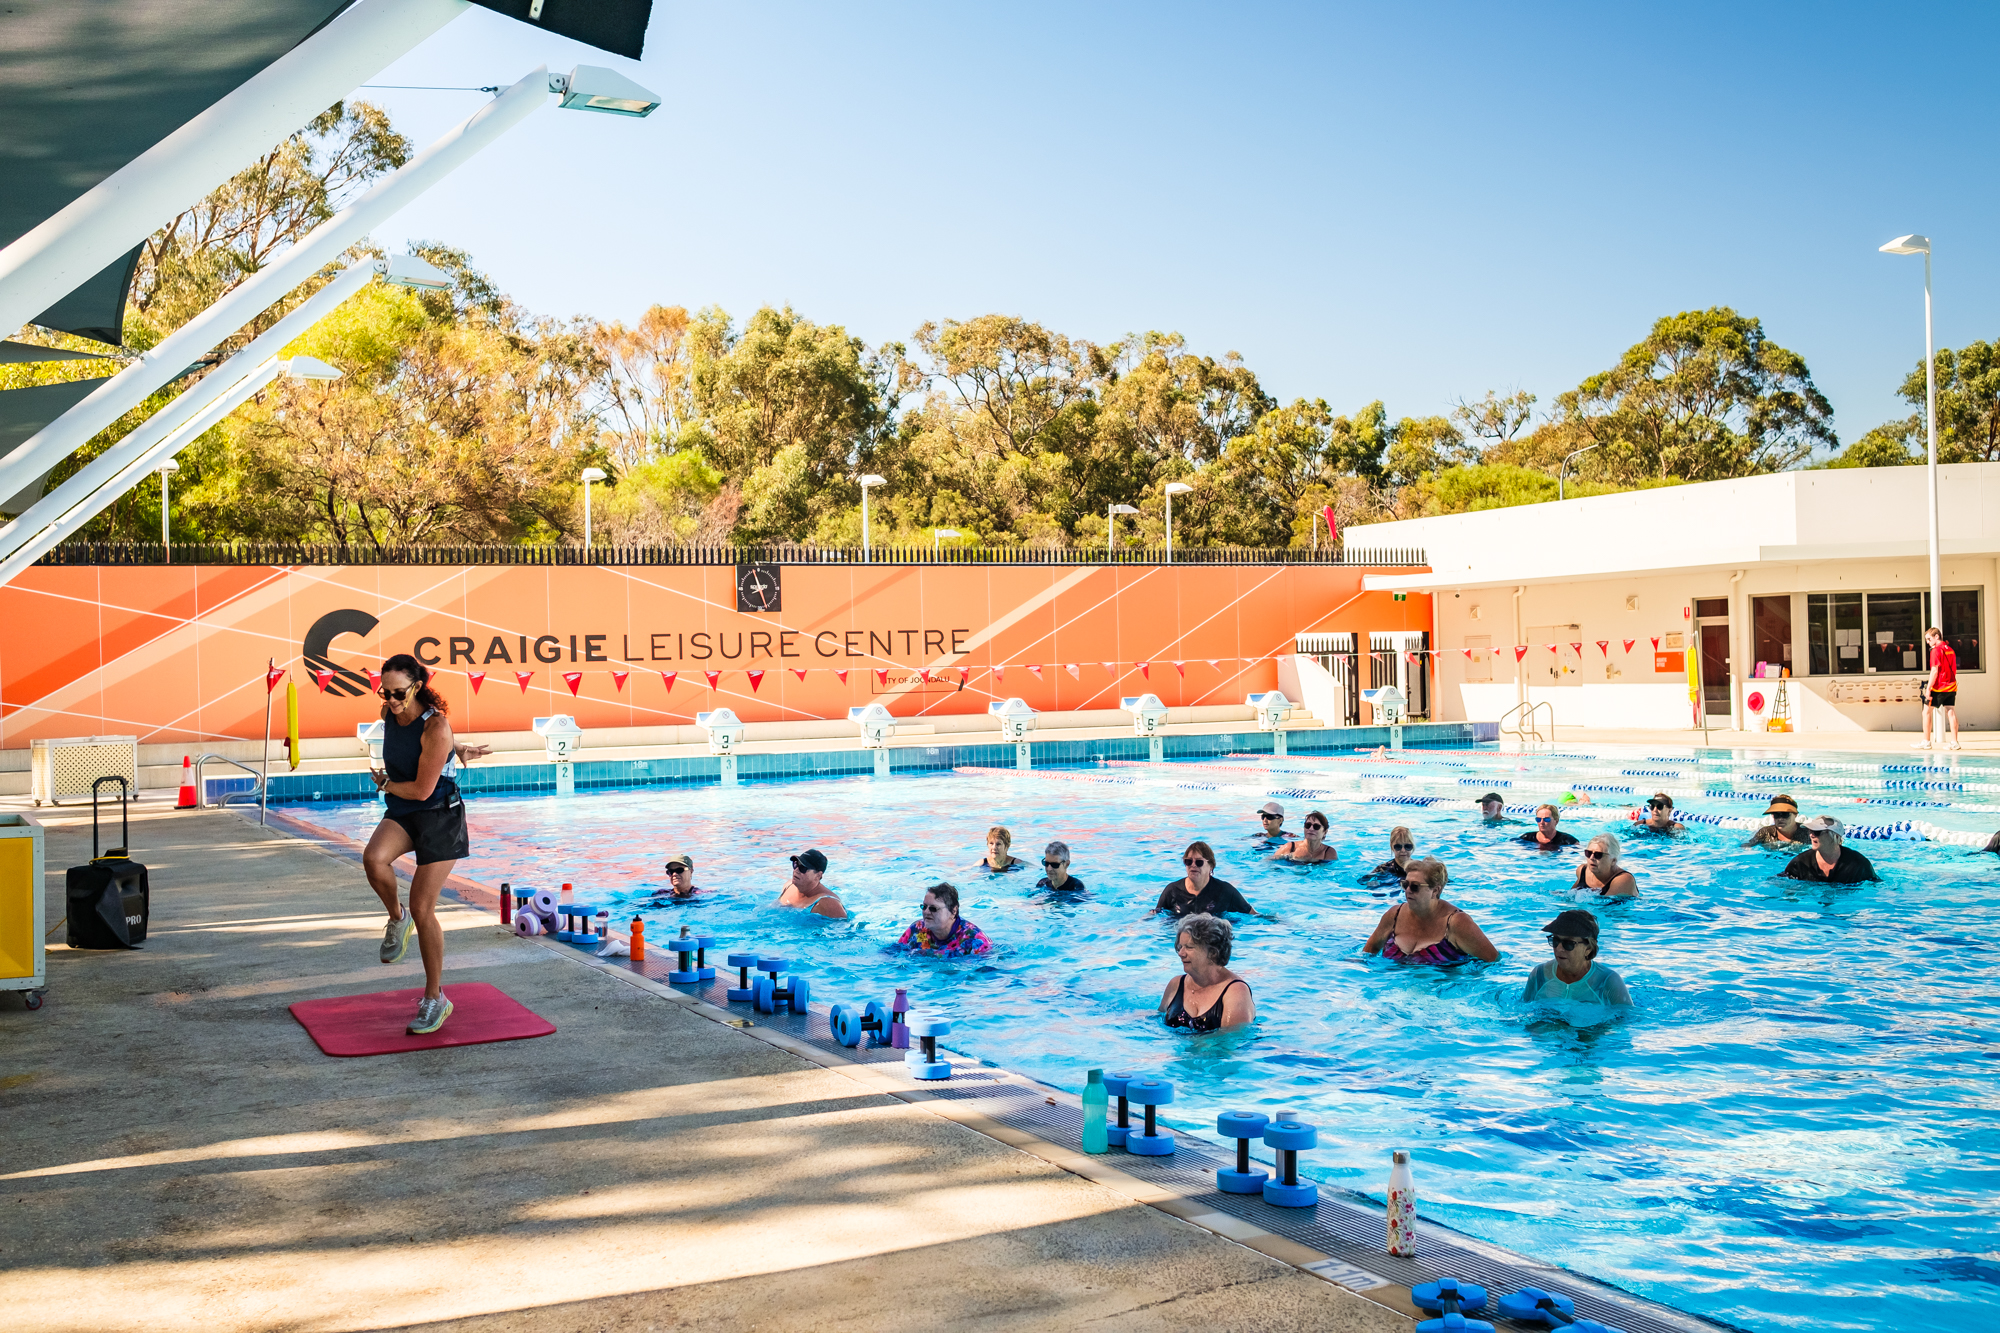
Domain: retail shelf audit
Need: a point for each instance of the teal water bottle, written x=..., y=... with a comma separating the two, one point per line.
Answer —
x=1095, y=1104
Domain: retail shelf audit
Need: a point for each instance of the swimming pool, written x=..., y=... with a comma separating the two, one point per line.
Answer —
x=1796, y=1124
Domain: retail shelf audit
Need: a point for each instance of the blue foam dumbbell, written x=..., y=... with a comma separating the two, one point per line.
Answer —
x=1150, y=1093
x=851, y=1027
x=1454, y=1322
x=1288, y=1135
x=924, y=1063
x=764, y=990
x=742, y=992
x=1242, y=1126
x=1448, y=1295
x=574, y=915
x=1114, y=1086
x=689, y=949
x=1532, y=1305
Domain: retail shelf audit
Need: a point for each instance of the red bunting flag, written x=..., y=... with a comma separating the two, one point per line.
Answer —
x=842, y=673
x=1604, y=646
x=963, y=677
x=1074, y=674
x=756, y=679
x=522, y=678
x=1037, y=669
x=572, y=679
x=1629, y=643
x=1413, y=659
x=374, y=679
x=1215, y=661
x=1576, y=648
x=668, y=678
x=322, y=679
x=713, y=678
x=882, y=674
x=1552, y=647
x=924, y=675
x=1182, y=668
x=1145, y=669
x=999, y=674
x=1656, y=643
x=618, y=678
x=477, y=678
x=277, y=673
x=1110, y=668
x=800, y=672
x=1519, y=652
x=1468, y=653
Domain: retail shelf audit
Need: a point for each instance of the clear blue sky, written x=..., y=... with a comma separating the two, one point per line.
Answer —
x=1405, y=202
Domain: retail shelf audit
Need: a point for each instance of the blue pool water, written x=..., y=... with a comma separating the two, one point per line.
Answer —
x=1794, y=1129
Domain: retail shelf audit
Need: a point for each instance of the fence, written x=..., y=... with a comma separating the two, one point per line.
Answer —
x=282, y=554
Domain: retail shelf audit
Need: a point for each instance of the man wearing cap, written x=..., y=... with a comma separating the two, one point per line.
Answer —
x=807, y=887
x=1574, y=973
x=1492, y=808
x=1272, y=816
x=680, y=875
x=1783, y=830
x=1829, y=862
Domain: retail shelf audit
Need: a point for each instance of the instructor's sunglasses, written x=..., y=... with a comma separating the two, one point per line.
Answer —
x=397, y=696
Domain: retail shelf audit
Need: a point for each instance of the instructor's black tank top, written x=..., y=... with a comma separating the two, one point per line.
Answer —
x=402, y=751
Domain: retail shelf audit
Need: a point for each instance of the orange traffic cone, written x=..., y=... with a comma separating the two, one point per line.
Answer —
x=187, y=801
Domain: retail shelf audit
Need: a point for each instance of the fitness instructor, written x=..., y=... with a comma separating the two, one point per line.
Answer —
x=426, y=815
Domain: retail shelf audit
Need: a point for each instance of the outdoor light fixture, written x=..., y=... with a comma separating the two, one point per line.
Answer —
x=166, y=469
x=594, y=88
x=1111, y=525
x=1921, y=245
x=942, y=532
x=867, y=480
x=590, y=474
x=410, y=271
x=1173, y=488
x=1563, y=471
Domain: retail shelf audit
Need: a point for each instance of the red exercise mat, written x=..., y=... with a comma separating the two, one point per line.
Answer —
x=374, y=1024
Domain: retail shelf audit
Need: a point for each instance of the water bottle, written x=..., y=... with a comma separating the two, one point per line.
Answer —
x=1095, y=1103
x=1402, y=1206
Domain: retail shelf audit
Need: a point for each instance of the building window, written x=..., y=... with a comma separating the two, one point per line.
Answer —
x=1712, y=608
x=1833, y=634
x=1848, y=633
x=1771, y=631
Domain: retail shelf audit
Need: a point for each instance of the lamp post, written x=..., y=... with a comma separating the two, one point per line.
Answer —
x=590, y=474
x=1921, y=245
x=870, y=479
x=1173, y=488
x=1111, y=526
x=941, y=532
x=1563, y=471
x=167, y=469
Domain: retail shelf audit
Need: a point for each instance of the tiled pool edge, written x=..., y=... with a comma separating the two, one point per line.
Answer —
x=607, y=774
x=1330, y=1241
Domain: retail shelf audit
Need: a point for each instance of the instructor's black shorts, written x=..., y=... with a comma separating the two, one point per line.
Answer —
x=1944, y=698
x=437, y=835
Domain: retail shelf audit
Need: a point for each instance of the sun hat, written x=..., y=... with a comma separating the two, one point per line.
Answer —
x=811, y=859
x=1575, y=921
x=1781, y=803
x=1822, y=824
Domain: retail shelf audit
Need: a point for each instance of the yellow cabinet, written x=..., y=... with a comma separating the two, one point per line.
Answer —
x=23, y=924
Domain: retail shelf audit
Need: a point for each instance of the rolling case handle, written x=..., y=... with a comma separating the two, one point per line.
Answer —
x=125, y=815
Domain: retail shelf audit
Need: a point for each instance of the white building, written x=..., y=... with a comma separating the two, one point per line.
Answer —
x=1825, y=573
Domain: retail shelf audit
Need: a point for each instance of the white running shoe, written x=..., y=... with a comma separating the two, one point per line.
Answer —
x=1954, y=746
x=396, y=938
x=431, y=1014
x=1920, y=745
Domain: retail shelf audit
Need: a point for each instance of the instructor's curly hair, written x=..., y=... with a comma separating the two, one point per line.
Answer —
x=420, y=676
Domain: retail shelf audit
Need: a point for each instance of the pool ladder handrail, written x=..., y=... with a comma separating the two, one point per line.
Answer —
x=1528, y=726
x=201, y=788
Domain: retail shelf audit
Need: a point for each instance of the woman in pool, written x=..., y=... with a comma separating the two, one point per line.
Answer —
x=941, y=930
x=1206, y=996
x=1424, y=928
x=1401, y=844
x=1600, y=871
x=1784, y=829
x=426, y=815
x=1312, y=847
x=1199, y=892
x=1000, y=858
x=1547, y=837
x=1574, y=973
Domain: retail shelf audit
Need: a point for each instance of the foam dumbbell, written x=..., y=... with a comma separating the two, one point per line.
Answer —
x=1289, y=1135
x=1150, y=1093
x=1532, y=1305
x=1114, y=1086
x=742, y=992
x=1242, y=1126
x=774, y=992
x=851, y=1027
x=1455, y=1323
x=924, y=1062
x=685, y=948
x=1448, y=1295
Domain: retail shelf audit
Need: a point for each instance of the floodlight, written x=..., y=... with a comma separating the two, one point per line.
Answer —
x=594, y=88
x=310, y=368
x=412, y=272
x=1908, y=245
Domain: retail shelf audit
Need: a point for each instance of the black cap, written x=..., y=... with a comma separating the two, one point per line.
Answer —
x=1575, y=922
x=1493, y=796
x=810, y=859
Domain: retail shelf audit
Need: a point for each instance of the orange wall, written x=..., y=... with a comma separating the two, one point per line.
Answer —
x=177, y=654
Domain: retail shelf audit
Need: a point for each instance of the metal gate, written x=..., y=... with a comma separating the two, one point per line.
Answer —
x=1389, y=664
x=1338, y=655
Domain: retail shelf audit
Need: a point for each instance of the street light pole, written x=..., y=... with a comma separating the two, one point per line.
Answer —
x=167, y=469
x=590, y=474
x=936, y=533
x=1111, y=527
x=1173, y=488
x=1563, y=471
x=868, y=480
x=1912, y=245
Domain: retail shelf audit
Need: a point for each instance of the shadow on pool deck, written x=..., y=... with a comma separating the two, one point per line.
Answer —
x=180, y=1156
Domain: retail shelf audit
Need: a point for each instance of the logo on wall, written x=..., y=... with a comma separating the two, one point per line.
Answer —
x=319, y=643
x=758, y=589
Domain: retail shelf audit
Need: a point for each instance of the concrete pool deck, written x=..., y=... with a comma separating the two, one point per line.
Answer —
x=180, y=1155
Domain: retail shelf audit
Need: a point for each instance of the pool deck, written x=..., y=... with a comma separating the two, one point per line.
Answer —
x=1719, y=738
x=180, y=1155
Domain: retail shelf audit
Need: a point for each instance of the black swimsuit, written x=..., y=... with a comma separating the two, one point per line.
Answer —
x=1177, y=1015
